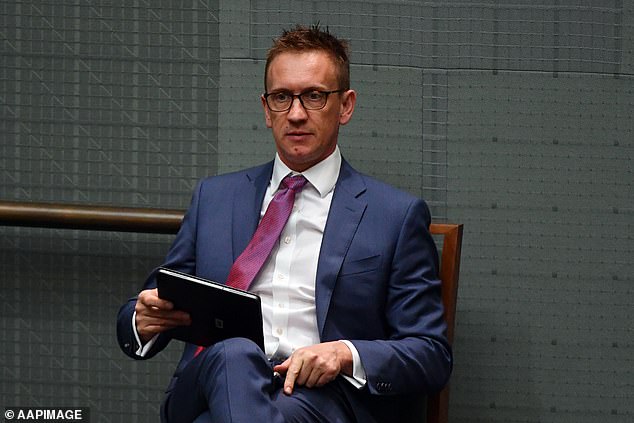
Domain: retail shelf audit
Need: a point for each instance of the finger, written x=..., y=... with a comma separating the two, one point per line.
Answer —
x=316, y=374
x=144, y=321
x=150, y=299
x=174, y=319
x=148, y=331
x=313, y=379
x=150, y=326
x=152, y=311
x=294, y=370
x=155, y=328
x=168, y=318
x=324, y=379
x=175, y=315
x=181, y=318
x=303, y=374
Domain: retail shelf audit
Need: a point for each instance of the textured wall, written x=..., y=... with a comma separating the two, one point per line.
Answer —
x=512, y=117
x=111, y=103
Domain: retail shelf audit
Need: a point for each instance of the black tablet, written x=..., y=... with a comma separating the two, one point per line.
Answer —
x=217, y=311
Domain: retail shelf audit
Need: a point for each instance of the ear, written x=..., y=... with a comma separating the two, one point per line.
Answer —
x=267, y=112
x=348, y=100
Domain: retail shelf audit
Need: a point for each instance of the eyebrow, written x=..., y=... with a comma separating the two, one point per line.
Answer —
x=311, y=88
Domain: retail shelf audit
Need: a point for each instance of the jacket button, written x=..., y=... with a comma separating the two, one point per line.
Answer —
x=383, y=386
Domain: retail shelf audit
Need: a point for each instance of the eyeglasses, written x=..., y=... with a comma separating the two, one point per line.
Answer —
x=281, y=101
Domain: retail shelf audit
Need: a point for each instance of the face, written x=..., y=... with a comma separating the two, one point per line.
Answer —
x=303, y=137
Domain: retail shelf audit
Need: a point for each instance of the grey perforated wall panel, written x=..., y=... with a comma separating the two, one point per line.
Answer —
x=512, y=117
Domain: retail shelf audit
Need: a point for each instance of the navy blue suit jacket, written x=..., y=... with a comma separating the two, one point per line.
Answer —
x=376, y=285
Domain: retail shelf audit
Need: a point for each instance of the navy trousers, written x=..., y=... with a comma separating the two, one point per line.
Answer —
x=233, y=381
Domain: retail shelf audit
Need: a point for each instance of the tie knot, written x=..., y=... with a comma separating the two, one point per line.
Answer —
x=294, y=183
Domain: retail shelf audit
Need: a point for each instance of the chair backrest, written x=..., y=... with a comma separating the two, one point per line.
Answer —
x=438, y=405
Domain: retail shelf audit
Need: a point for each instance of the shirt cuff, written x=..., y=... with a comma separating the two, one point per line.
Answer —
x=358, y=378
x=143, y=349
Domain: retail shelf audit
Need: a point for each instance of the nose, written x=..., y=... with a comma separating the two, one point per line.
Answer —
x=297, y=110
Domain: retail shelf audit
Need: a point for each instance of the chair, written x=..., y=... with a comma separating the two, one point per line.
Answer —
x=438, y=405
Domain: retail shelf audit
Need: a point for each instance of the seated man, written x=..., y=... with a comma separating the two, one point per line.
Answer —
x=352, y=313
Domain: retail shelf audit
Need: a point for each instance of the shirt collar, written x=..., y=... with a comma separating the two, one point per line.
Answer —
x=322, y=176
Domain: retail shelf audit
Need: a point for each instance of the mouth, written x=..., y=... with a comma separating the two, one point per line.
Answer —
x=297, y=135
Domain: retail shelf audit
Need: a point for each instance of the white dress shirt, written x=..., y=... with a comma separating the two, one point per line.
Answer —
x=286, y=282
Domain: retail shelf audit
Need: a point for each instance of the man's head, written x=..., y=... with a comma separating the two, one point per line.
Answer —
x=307, y=95
x=302, y=39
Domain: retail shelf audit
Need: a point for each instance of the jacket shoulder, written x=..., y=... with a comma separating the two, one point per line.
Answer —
x=250, y=173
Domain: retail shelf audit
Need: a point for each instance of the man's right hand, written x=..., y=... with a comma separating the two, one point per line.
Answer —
x=155, y=315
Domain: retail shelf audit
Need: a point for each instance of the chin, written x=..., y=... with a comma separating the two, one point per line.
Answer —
x=298, y=162
x=299, y=154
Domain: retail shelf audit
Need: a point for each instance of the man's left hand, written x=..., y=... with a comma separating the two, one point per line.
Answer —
x=315, y=365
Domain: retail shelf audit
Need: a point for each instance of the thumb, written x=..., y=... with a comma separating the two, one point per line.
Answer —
x=282, y=368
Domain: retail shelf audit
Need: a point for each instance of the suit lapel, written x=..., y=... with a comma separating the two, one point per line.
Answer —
x=247, y=204
x=346, y=210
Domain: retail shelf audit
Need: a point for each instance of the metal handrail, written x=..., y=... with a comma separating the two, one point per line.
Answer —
x=99, y=218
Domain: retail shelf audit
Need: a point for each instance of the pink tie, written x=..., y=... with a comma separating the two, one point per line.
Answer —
x=249, y=263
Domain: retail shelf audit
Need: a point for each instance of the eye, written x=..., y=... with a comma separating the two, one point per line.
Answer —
x=281, y=97
x=313, y=96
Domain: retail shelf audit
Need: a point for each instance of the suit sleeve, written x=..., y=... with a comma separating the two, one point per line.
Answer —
x=416, y=356
x=181, y=257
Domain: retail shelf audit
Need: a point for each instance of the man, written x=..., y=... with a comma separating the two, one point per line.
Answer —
x=351, y=303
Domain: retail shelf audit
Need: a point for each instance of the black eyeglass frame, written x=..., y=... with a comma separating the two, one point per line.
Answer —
x=299, y=96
